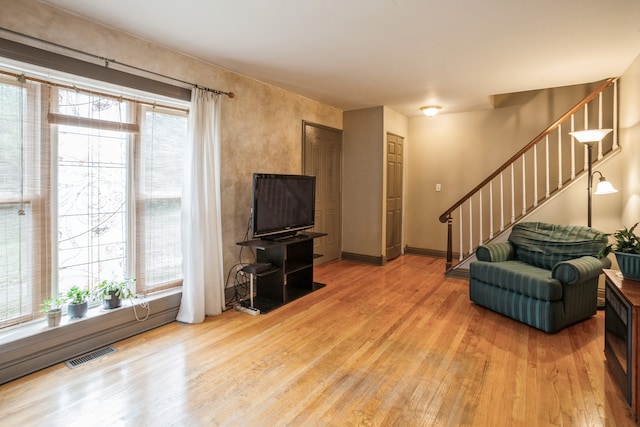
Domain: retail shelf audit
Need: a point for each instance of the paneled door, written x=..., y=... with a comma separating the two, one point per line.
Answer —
x=321, y=157
x=394, y=195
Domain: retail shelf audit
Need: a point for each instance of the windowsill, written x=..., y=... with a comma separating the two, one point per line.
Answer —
x=35, y=345
x=39, y=326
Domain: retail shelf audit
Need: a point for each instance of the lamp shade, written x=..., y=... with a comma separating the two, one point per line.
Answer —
x=605, y=187
x=590, y=135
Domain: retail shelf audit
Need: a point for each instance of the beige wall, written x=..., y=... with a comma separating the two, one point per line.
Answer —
x=362, y=153
x=261, y=126
x=459, y=150
x=365, y=175
x=630, y=142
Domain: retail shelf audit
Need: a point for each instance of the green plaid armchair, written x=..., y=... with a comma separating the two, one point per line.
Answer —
x=546, y=275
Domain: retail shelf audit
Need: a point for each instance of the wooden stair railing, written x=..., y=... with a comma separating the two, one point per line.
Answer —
x=555, y=163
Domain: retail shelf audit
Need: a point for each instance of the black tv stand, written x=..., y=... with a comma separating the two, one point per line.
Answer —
x=291, y=275
x=284, y=237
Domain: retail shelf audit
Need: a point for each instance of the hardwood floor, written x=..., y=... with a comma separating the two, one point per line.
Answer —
x=394, y=345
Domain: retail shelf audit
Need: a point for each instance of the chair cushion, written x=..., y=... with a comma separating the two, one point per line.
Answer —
x=518, y=277
x=544, y=245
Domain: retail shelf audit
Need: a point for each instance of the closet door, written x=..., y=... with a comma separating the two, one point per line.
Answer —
x=394, y=195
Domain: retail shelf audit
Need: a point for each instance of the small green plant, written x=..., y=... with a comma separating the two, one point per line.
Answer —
x=76, y=295
x=119, y=287
x=52, y=304
x=625, y=240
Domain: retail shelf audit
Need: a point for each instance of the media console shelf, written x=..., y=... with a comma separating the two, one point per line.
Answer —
x=291, y=275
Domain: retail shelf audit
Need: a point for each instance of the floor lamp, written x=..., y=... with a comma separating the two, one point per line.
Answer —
x=604, y=187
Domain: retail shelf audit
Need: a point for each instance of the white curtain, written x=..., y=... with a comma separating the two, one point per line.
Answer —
x=203, y=287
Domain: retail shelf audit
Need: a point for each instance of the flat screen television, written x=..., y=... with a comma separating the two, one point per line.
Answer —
x=283, y=204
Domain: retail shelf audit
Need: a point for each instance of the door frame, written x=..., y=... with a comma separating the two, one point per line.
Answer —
x=305, y=124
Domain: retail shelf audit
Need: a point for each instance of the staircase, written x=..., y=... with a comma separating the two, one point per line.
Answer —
x=532, y=176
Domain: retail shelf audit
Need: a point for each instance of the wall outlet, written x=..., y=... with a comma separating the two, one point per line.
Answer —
x=438, y=187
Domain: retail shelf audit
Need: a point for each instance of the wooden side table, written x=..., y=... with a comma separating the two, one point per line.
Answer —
x=621, y=333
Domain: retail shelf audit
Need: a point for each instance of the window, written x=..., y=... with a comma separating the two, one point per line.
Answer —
x=90, y=189
x=160, y=157
x=91, y=176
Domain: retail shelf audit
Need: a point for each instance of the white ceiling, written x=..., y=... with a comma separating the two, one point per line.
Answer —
x=404, y=54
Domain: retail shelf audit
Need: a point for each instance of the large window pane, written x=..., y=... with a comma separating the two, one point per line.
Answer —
x=160, y=160
x=92, y=206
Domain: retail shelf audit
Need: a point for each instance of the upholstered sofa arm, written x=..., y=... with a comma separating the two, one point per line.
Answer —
x=579, y=269
x=496, y=252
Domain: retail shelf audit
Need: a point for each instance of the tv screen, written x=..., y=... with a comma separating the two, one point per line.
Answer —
x=282, y=204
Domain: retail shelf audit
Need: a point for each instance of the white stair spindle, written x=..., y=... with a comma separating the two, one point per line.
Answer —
x=513, y=199
x=559, y=157
x=586, y=126
x=600, y=124
x=490, y=209
x=501, y=203
x=535, y=175
x=480, y=216
x=546, y=161
x=573, y=148
x=524, y=186
x=470, y=226
x=460, y=233
x=615, y=115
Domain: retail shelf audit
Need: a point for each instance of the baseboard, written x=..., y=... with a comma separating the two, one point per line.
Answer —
x=365, y=259
x=30, y=348
x=429, y=252
x=458, y=273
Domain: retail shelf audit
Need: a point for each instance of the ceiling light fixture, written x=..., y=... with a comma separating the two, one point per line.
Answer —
x=430, y=110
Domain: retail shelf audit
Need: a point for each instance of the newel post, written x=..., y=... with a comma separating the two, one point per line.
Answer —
x=449, y=241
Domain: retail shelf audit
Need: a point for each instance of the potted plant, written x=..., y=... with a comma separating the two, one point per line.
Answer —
x=52, y=307
x=78, y=304
x=626, y=248
x=111, y=293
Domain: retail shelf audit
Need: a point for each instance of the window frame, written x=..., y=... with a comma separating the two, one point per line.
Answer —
x=43, y=268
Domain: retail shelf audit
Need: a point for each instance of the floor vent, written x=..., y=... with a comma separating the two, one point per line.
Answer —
x=88, y=357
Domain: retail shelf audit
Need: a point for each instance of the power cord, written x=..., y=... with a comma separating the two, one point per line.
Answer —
x=143, y=304
x=240, y=282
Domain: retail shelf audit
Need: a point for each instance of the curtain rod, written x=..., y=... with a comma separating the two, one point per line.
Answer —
x=107, y=61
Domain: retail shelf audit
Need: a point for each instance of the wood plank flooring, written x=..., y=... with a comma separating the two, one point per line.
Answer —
x=378, y=346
